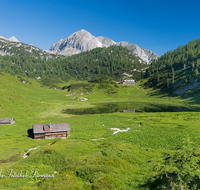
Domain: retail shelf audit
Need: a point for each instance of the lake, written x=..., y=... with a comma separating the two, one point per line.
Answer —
x=131, y=106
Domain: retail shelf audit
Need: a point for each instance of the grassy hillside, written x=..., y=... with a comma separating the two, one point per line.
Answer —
x=177, y=71
x=92, y=157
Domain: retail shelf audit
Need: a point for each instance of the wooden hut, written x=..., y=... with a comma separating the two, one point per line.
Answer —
x=128, y=82
x=7, y=121
x=52, y=130
x=128, y=111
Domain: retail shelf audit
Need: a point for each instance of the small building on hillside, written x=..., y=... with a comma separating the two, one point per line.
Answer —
x=7, y=121
x=52, y=130
x=128, y=111
x=128, y=82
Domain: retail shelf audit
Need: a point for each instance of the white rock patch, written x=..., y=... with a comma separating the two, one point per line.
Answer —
x=119, y=130
x=82, y=99
x=26, y=153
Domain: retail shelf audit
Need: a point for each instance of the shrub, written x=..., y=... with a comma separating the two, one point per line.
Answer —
x=88, y=172
x=79, y=86
x=181, y=171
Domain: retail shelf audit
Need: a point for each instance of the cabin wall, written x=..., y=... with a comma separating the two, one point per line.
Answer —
x=56, y=135
x=39, y=136
x=51, y=135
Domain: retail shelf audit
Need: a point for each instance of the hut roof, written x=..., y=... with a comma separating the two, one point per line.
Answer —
x=7, y=120
x=52, y=128
x=129, y=80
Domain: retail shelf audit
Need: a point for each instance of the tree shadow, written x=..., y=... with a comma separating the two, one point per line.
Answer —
x=161, y=90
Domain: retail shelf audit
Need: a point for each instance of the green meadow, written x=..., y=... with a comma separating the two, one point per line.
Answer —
x=92, y=157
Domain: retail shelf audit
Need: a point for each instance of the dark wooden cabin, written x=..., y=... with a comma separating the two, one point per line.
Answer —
x=53, y=130
x=7, y=121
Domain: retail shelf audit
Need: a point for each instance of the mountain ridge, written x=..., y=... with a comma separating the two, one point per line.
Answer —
x=12, y=39
x=77, y=42
x=12, y=46
x=82, y=40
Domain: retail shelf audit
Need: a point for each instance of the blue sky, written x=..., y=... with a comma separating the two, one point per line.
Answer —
x=158, y=25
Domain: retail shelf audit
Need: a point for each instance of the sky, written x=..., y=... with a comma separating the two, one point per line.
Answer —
x=157, y=25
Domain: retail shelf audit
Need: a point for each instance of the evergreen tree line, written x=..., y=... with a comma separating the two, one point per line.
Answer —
x=181, y=64
x=113, y=61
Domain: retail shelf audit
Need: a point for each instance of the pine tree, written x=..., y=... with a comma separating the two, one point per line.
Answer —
x=172, y=75
x=196, y=72
x=167, y=83
x=157, y=76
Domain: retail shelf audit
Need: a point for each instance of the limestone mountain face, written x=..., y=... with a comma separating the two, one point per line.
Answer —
x=75, y=43
x=13, y=39
x=11, y=46
x=145, y=54
x=106, y=42
x=84, y=41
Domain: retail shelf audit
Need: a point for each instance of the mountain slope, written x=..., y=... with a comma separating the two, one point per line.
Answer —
x=12, y=46
x=178, y=71
x=115, y=61
x=83, y=41
x=75, y=43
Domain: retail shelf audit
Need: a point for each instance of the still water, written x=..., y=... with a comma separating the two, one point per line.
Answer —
x=131, y=106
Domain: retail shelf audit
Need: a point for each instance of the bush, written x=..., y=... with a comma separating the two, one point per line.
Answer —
x=108, y=182
x=85, y=87
x=88, y=172
x=112, y=90
x=103, y=79
x=181, y=170
x=51, y=82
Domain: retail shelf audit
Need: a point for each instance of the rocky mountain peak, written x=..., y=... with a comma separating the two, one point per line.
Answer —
x=13, y=39
x=82, y=40
x=75, y=43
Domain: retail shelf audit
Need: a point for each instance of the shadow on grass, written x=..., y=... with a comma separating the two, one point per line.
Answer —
x=161, y=182
x=30, y=133
x=163, y=91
